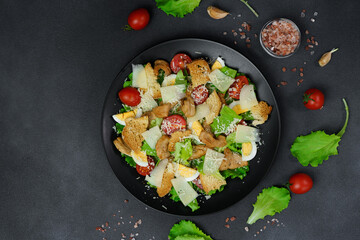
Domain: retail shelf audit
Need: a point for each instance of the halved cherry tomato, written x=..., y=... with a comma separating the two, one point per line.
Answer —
x=130, y=96
x=300, y=183
x=200, y=94
x=313, y=99
x=173, y=123
x=144, y=171
x=235, y=88
x=179, y=62
x=139, y=18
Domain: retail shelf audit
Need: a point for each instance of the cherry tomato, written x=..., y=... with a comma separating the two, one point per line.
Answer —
x=179, y=62
x=173, y=123
x=235, y=88
x=143, y=171
x=130, y=96
x=139, y=18
x=313, y=99
x=200, y=94
x=300, y=183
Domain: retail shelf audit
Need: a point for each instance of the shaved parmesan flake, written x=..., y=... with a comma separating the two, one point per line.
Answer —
x=202, y=111
x=246, y=134
x=185, y=192
x=169, y=80
x=220, y=80
x=139, y=76
x=147, y=102
x=212, y=162
x=157, y=173
x=172, y=94
x=248, y=97
x=152, y=135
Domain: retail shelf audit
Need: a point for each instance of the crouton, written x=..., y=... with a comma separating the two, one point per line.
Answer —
x=162, y=147
x=153, y=85
x=120, y=145
x=210, y=182
x=260, y=112
x=166, y=184
x=177, y=137
x=215, y=104
x=132, y=132
x=212, y=142
x=163, y=65
x=199, y=70
x=198, y=152
x=162, y=111
x=232, y=161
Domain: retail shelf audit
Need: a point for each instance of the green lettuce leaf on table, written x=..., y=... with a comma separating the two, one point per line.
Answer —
x=270, y=201
x=187, y=230
x=177, y=8
x=318, y=146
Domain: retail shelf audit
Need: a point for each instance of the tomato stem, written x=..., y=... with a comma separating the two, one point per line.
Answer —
x=127, y=28
x=306, y=98
x=251, y=9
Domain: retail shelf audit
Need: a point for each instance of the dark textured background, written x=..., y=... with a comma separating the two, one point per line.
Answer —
x=57, y=60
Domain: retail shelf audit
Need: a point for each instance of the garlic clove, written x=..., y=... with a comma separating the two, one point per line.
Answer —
x=216, y=13
x=326, y=57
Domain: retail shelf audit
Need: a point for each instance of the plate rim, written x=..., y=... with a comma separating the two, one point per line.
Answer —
x=182, y=40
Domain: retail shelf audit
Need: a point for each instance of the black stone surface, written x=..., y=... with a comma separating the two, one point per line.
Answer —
x=57, y=60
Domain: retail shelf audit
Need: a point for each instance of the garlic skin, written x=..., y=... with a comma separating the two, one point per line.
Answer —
x=326, y=57
x=216, y=13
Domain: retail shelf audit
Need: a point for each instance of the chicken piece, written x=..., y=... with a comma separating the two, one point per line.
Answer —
x=162, y=111
x=121, y=146
x=232, y=161
x=162, y=64
x=198, y=152
x=188, y=107
x=212, y=142
x=177, y=137
x=162, y=147
x=151, y=116
x=261, y=113
x=207, y=127
x=215, y=104
x=166, y=184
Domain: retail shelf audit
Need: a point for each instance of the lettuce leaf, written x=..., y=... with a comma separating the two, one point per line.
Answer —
x=155, y=122
x=129, y=160
x=183, y=151
x=240, y=172
x=270, y=201
x=177, y=8
x=186, y=229
x=228, y=71
x=318, y=146
x=227, y=119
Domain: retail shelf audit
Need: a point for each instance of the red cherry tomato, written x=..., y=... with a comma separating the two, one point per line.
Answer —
x=139, y=18
x=313, y=99
x=173, y=123
x=200, y=94
x=130, y=96
x=143, y=171
x=179, y=62
x=235, y=88
x=300, y=183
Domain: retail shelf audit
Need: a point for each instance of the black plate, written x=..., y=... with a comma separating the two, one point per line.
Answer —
x=236, y=189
